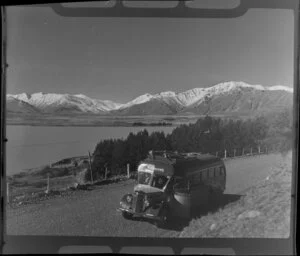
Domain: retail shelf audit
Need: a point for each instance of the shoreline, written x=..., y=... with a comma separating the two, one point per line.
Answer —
x=88, y=125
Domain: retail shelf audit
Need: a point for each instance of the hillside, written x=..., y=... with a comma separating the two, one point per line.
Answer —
x=153, y=107
x=263, y=211
x=63, y=103
x=14, y=105
x=245, y=101
x=91, y=212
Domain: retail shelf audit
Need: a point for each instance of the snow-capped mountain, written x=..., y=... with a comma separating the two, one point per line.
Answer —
x=280, y=88
x=139, y=100
x=222, y=97
x=14, y=105
x=65, y=103
x=190, y=97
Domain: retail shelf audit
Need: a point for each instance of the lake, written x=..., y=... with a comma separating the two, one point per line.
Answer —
x=34, y=146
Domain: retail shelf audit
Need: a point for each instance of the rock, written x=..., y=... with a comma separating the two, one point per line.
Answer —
x=85, y=186
x=76, y=185
x=19, y=197
x=248, y=214
x=40, y=194
x=47, y=191
x=213, y=226
x=268, y=178
x=82, y=186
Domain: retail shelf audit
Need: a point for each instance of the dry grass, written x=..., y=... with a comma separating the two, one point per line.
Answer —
x=33, y=189
x=262, y=212
x=35, y=185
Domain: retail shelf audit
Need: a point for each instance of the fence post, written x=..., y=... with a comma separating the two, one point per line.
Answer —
x=105, y=173
x=225, y=154
x=243, y=151
x=217, y=154
x=90, y=163
x=251, y=151
x=7, y=192
x=234, y=152
x=48, y=183
x=258, y=149
x=128, y=172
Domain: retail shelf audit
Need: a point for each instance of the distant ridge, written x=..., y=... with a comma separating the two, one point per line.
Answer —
x=223, y=97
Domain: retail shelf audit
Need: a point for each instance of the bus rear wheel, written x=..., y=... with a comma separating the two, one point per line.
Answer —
x=216, y=192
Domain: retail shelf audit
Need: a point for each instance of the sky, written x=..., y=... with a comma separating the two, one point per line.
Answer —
x=121, y=58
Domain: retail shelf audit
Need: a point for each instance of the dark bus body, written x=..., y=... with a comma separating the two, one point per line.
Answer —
x=171, y=184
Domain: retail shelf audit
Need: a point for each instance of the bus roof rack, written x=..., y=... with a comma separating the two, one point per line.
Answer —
x=165, y=154
x=176, y=155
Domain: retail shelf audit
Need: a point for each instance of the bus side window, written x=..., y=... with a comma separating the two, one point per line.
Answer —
x=217, y=171
x=197, y=178
x=177, y=180
x=222, y=171
x=211, y=172
x=192, y=180
x=180, y=184
x=204, y=175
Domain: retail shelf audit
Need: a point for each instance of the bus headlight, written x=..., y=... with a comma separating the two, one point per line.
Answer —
x=126, y=201
x=146, y=202
x=124, y=206
x=129, y=199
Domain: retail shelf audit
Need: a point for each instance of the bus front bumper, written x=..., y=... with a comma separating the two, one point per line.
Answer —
x=140, y=215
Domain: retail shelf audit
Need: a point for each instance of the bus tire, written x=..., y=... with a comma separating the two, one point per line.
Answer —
x=216, y=192
x=164, y=218
x=219, y=192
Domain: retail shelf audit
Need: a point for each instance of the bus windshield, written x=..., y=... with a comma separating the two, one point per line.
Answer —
x=144, y=178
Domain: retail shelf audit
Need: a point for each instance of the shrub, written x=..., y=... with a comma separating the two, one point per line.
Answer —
x=82, y=177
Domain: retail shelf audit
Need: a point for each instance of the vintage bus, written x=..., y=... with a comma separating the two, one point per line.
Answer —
x=171, y=184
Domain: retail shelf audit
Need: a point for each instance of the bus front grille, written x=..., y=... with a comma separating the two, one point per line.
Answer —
x=139, y=203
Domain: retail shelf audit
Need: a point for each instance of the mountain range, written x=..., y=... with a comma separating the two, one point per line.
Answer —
x=221, y=98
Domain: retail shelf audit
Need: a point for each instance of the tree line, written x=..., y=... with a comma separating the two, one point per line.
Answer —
x=207, y=135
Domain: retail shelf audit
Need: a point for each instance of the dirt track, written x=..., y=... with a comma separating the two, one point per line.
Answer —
x=93, y=213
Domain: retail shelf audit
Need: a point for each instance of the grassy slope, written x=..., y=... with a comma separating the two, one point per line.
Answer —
x=35, y=180
x=268, y=202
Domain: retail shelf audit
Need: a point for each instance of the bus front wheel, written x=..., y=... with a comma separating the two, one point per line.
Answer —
x=164, y=218
x=127, y=215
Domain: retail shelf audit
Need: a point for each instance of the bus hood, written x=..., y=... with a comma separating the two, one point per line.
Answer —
x=147, y=189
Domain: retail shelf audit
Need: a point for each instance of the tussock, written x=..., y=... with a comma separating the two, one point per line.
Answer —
x=262, y=212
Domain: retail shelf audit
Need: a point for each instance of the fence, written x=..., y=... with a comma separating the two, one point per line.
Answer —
x=19, y=188
x=242, y=152
x=22, y=187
